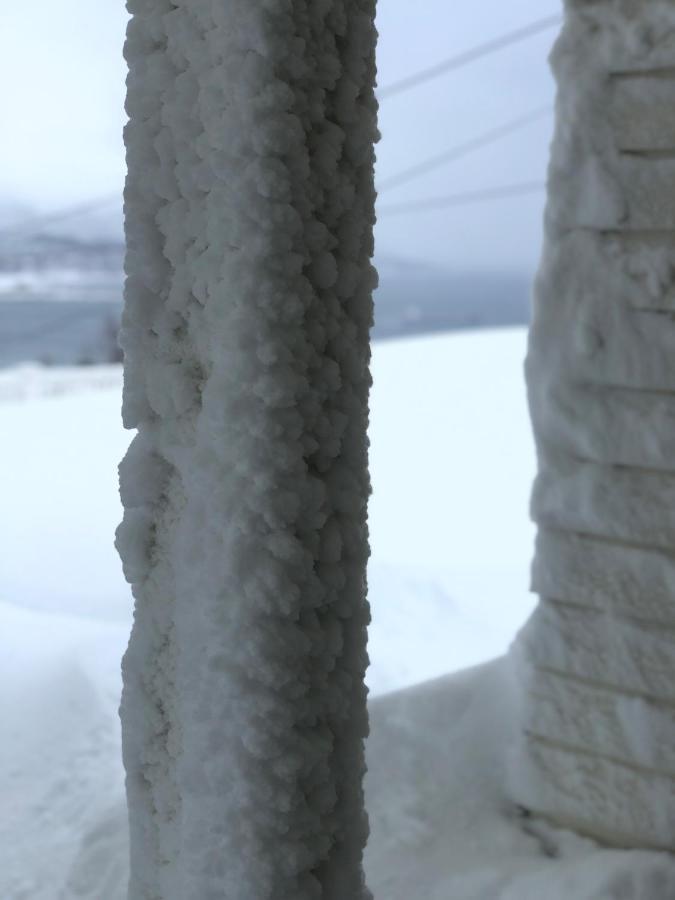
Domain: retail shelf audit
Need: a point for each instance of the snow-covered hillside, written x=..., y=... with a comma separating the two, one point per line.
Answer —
x=452, y=464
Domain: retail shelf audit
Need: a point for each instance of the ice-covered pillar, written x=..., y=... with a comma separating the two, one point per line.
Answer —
x=598, y=657
x=249, y=213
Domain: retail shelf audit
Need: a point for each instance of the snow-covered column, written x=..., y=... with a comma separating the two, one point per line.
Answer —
x=249, y=214
x=598, y=656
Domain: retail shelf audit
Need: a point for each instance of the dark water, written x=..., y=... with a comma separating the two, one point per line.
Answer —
x=82, y=330
x=59, y=332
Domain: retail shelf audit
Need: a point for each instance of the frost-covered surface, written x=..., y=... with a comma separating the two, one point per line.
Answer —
x=441, y=557
x=598, y=657
x=447, y=590
x=249, y=214
x=441, y=825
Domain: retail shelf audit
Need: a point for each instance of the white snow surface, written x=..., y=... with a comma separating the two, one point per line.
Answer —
x=442, y=827
x=597, y=660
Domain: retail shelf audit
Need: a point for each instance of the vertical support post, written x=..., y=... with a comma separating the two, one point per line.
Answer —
x=598, y=657
x=249, y=213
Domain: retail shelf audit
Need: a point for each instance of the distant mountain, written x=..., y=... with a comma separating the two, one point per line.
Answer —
x=62, y=249
x=13, y=211
x=416, y=297
x=48, y=252
x=50, y=265
x=95, y=219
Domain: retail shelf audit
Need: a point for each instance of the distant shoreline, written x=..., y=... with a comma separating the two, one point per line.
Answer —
x=66, y=324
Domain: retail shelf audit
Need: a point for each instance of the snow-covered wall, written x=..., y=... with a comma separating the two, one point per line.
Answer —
x=598, y=658
x=249, y=213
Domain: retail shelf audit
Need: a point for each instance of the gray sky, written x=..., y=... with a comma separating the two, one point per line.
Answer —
x=63, y=76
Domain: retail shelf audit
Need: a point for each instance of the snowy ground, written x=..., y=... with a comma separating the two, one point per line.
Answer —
x=452, y=464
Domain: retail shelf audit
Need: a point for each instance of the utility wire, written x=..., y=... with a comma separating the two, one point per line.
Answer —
x=482, y=140
x=411, y=81
x=465, y=198
x=463, y=59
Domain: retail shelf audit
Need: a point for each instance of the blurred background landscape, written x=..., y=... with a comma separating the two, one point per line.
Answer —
x=461, y=169
x=461, y=172
x=61, y=299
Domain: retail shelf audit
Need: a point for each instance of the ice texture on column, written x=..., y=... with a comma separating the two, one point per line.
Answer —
x=597, y=659
x=249, y=214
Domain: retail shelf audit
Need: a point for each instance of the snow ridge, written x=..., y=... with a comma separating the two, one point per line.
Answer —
x=249, y=214
x=598, y=657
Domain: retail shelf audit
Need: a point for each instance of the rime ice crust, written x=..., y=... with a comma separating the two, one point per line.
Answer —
x=597, y=660
x=249, y=213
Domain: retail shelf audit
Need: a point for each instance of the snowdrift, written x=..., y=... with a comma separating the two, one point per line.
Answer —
x=441, y=826
x=451, y=548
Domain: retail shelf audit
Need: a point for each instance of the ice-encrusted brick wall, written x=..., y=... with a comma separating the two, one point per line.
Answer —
x=597, y=660
x=249, y=214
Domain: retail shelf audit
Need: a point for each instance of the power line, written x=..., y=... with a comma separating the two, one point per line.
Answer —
x=464, y=198
x=463, y=59
x=482, y=140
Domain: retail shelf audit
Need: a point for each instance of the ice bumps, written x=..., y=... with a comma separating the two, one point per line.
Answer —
x=249, y=214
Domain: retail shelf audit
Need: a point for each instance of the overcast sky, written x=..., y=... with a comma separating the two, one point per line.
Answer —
x=62, y=73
